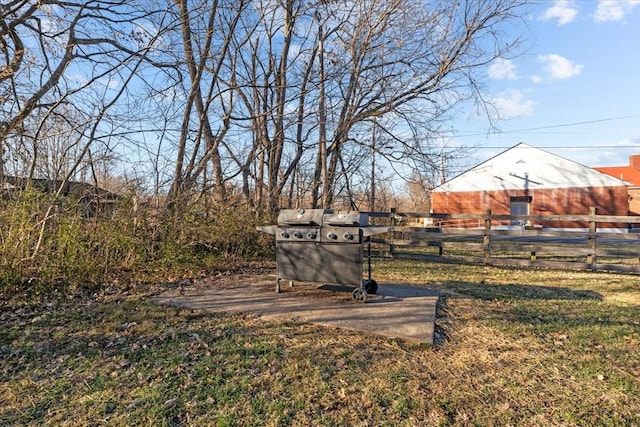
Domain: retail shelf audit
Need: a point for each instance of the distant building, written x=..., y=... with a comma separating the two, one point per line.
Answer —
x=90, y=198
x=630, y=174
x=524, y=180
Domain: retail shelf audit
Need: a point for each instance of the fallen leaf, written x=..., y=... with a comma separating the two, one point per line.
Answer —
x=169, y=403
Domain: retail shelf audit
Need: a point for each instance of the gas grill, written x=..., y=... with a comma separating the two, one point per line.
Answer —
x=318, y=245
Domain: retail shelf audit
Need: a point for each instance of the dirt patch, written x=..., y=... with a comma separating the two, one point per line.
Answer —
x=396, y=311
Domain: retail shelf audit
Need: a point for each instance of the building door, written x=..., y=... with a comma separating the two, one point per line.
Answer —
x=519, y=206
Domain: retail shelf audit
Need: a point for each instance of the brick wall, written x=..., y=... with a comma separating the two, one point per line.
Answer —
x=634, y=201
x=560, y=201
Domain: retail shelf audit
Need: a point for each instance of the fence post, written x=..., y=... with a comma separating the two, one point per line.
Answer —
x=591, y=240
x=486, y=242
x=392, y=216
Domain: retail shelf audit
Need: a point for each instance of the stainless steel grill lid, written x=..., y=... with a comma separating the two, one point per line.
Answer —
x=359, y=219
x=302, y=216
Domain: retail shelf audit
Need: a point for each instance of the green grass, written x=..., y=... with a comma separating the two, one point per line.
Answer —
x=522, y=347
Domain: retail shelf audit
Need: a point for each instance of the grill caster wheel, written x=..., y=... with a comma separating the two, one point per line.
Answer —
x=371, y=286
x=359, y=295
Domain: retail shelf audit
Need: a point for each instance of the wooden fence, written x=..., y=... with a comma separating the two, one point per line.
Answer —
x=498, y=240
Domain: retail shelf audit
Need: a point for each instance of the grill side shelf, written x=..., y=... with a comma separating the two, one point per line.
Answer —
x=372, y=231
x=269, y=229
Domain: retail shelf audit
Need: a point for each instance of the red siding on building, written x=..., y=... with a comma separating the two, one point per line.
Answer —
x=559, y=201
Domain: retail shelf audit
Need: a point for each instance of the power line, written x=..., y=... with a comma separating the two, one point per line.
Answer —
x=549, y=126
x=564, y=147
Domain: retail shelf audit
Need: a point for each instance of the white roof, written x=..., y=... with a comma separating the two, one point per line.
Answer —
x=526, y=167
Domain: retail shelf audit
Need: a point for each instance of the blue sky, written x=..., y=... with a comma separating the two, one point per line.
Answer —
x=576, y=84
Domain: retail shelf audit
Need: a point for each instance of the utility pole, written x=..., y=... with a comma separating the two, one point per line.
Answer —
x=372, y=190
x=443, y=177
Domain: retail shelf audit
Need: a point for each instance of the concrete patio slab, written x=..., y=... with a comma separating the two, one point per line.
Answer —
x=397, y=311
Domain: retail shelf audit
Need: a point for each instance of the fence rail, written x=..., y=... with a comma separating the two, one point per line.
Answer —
x=484, y=239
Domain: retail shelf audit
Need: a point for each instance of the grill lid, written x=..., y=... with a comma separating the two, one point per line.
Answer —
x=302, y=216
x=359, y=219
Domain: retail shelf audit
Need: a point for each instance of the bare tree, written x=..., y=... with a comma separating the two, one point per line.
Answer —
x=67, y=75
x=409, y=62
x=315, y=75
x=66, y=71
x=277, y=95
x=274, y=76
x=206, y=29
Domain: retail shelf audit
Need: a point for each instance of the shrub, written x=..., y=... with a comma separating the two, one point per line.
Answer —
x=50, y=244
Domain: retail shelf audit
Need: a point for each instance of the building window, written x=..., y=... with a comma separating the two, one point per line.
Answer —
x=519, y=206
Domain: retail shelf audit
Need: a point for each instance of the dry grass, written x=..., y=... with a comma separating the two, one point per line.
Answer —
x=525, y=348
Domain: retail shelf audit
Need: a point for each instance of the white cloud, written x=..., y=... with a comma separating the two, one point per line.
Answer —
x=109, y=83
x=613, y=152
x=82, y=80
x=563, y=11
x=512, y=103
x=559, y=67
x=503, y=69
x=613, y=10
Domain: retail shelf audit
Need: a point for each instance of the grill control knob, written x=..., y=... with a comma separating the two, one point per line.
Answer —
x=311, y=235
x=297, y=235
x=347, y=236
x=284, y=235
x=332, y=236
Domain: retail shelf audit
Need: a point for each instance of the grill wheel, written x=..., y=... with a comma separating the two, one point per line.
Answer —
x=371, y=286
x=359, y=295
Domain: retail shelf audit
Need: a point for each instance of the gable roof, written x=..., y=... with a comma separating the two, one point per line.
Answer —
x=524, y=167
x=629, y=173
x=625, y=173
